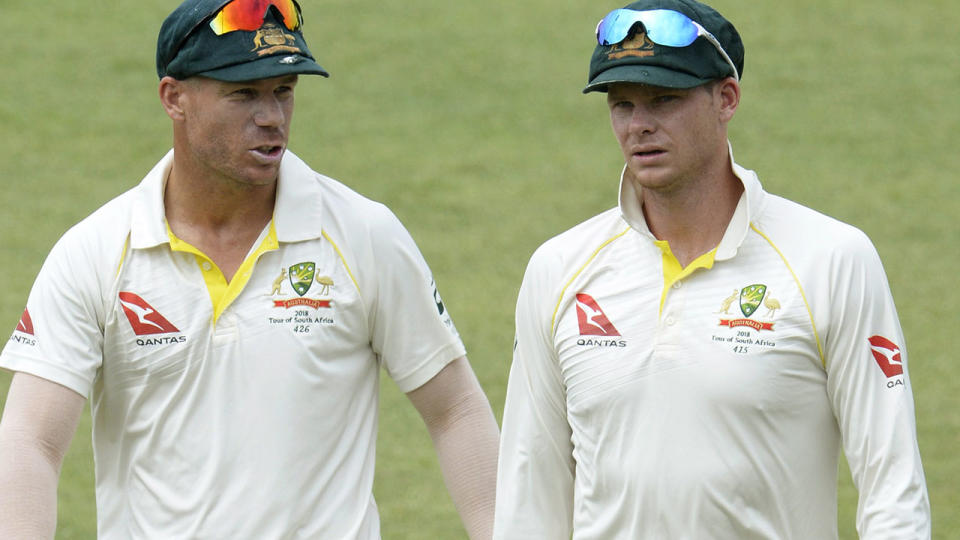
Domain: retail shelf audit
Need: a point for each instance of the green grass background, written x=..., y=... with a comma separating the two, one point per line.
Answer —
x=466, y=118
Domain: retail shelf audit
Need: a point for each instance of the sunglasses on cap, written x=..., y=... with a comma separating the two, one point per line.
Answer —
x=248, y=15
x=663, y=27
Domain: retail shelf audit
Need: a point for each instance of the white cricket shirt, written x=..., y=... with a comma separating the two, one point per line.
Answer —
x=246, y=410
x=646, y=401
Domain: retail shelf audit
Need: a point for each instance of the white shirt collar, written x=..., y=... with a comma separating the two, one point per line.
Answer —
x=297, y=213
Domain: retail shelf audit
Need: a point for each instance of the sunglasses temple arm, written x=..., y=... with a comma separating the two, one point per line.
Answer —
x=715, y=43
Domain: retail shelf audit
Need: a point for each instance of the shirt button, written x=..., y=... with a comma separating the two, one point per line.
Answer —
x=671, y=321
x=206, y=266
x=677, y=285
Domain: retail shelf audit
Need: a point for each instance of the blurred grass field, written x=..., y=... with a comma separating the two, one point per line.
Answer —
x=468, y=121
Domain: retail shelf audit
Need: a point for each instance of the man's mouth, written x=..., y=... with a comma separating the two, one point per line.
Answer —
x=267, y=154
x=268, y=150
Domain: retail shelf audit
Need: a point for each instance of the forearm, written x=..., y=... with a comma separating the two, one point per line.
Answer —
x=467, y=449
x=38, y=422
x=466, y=438
x=28, y=496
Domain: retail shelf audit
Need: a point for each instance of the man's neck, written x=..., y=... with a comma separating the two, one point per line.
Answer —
x=694, y=220
x=219, y=217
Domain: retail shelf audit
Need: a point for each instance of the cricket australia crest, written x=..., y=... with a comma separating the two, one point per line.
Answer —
x=750, y=298
x=743, y=334
x=301, y=277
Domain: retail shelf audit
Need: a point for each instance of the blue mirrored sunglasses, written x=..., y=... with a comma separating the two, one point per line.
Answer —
x=663, y=27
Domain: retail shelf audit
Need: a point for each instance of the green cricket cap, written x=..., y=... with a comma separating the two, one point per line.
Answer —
x=638, y=60
x=187, y=46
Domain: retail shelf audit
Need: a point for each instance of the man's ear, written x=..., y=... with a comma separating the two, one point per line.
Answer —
x=171, y=96
x=729, y=93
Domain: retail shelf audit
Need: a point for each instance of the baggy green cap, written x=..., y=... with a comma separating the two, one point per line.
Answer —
x=188, y=47
x=639, y=60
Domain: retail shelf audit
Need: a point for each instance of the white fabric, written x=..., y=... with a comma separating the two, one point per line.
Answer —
x=262, y=425
x=701, y=421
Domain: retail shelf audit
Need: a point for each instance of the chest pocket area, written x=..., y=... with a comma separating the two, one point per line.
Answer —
x=308, y=303
x=144, y=339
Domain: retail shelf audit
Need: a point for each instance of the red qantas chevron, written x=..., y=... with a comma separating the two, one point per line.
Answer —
x=887, y=355
x=593, y=321
x=143, y=317
x=26, y=324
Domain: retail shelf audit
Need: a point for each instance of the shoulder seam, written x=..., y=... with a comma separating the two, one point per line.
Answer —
x=342, y=259
x=806, y=303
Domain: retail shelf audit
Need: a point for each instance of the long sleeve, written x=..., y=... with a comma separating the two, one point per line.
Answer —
x=869, y=389
x=535, y=481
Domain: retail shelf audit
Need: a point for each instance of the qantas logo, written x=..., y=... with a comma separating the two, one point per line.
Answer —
x=143, y=318
x=26, y=324
x=24, y=334
x=593, y=321
x=887, y=355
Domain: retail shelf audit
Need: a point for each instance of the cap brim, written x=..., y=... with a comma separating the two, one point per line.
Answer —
x=643, y=74
x=267, y=68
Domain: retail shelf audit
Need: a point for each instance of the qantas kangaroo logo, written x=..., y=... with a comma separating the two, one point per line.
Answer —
x=887, y=355
x=593, y=321
x=26, y=323
x=143, y=318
